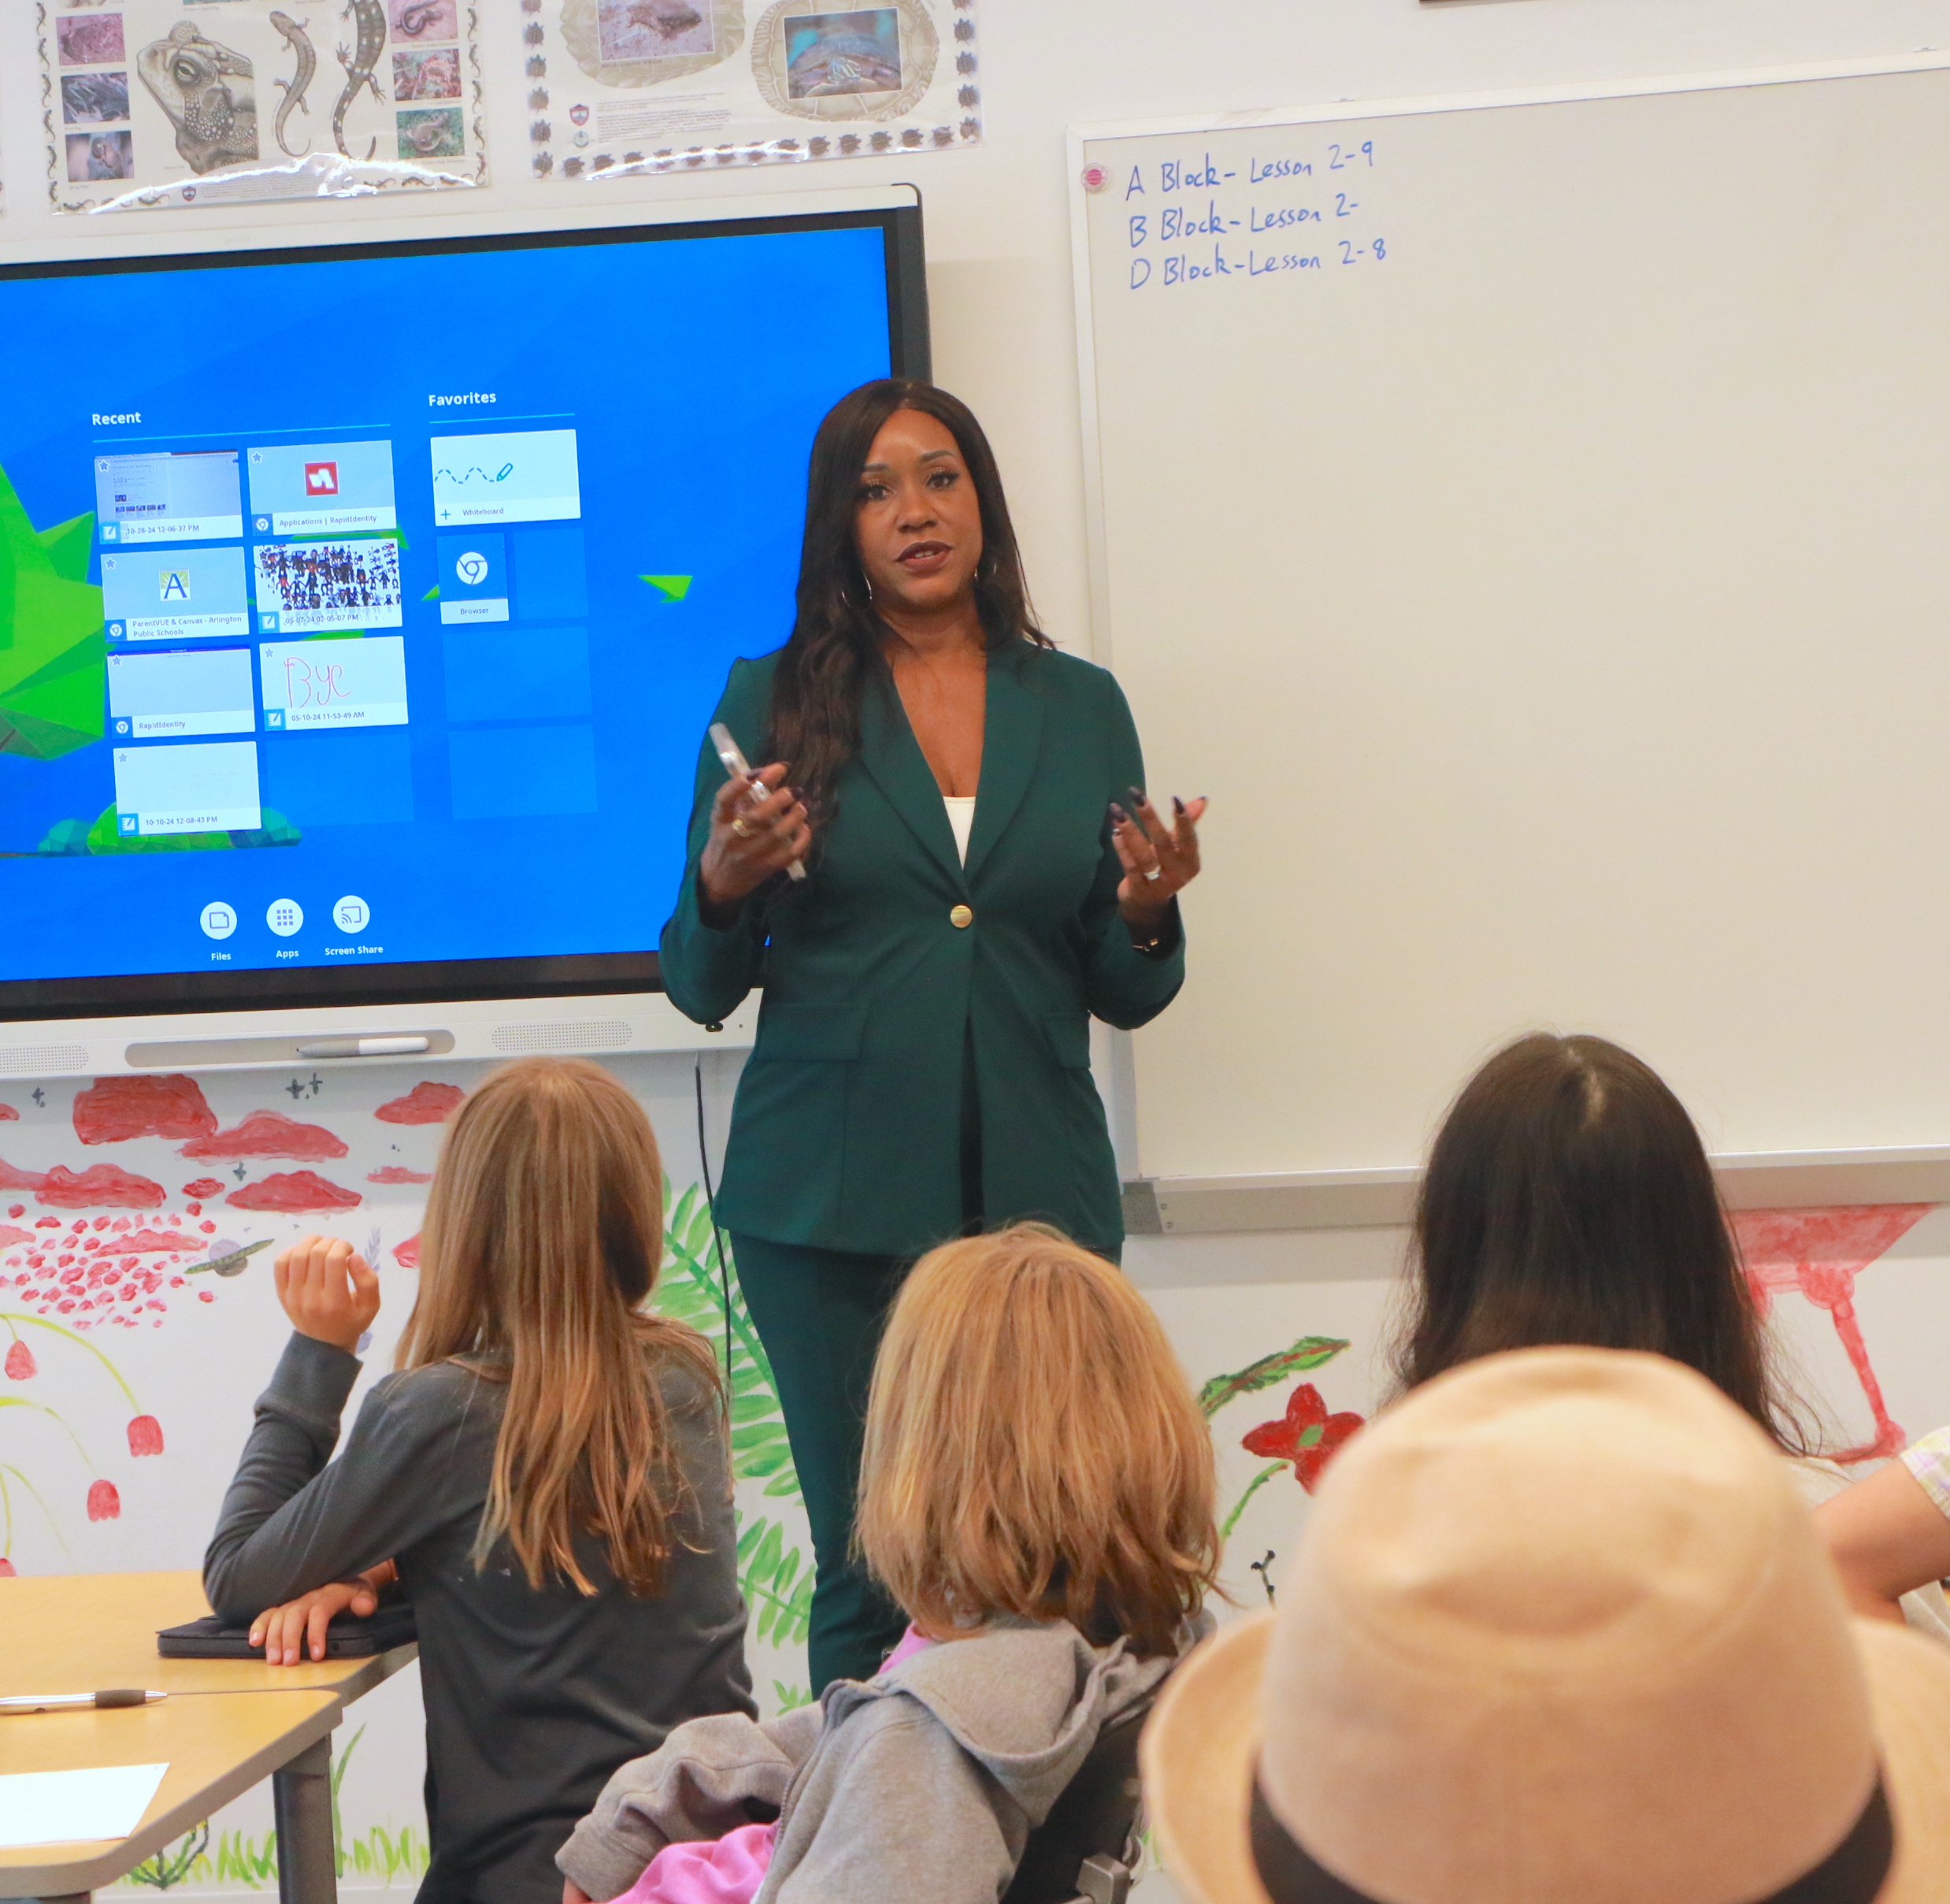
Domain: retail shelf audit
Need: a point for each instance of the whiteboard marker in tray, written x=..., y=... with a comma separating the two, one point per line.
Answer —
x=736, y=766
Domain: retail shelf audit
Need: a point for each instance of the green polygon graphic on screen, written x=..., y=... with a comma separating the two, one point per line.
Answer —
x=672, y=588
x=54, y=652
x=276, y=831
x=103, y=835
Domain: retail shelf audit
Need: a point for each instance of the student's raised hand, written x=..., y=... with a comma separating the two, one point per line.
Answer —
x=328, y=1289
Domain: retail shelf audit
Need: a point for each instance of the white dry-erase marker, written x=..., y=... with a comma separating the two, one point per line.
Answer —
x=78, y=1701
x=739, y=768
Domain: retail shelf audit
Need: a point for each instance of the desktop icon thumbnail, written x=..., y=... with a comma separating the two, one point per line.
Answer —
x=322, y=488
x=513, y=475
x=474, y=577
x=318, y=587
x=174, y=595
x=174, y=495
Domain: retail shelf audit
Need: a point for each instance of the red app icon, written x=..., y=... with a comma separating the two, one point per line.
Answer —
x=322, y=479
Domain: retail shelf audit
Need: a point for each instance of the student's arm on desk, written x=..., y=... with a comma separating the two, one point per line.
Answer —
x=292, y=1525
x=287, y=1632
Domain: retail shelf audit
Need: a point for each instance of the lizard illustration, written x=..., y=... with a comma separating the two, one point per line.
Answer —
x=414, y=20
x=205, y=88
x=294, y=31
x=361, y=65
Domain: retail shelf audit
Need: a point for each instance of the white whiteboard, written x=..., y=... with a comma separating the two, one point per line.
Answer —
x=1555, y=606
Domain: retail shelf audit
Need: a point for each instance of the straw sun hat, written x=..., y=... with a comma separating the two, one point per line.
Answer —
x=1557, y=1631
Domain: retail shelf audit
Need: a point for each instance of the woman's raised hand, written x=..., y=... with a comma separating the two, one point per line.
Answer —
x=328, y=1289
x=751, y=839
x=1159, y=861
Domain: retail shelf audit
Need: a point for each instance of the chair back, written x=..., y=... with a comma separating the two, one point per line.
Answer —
x=1095, y=1817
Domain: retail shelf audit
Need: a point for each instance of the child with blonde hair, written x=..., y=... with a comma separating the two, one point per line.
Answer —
x=1036, y=1494
x=546, y=1473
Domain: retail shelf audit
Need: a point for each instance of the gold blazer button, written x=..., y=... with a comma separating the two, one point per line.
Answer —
x=961, y=916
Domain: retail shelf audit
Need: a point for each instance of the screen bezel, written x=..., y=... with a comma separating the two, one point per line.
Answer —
x=138, y=994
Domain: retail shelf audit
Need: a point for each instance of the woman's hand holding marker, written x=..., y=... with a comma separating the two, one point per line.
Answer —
x=758, y=827
x=1159, y=861
x=329, y=1290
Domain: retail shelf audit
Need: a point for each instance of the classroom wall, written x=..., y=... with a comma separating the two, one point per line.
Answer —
x=999, y=280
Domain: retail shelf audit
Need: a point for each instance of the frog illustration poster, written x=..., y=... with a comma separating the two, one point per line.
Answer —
x=617, y=87
x=155, y=102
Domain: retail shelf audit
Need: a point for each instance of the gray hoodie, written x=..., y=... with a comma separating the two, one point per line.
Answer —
x=924, y=1782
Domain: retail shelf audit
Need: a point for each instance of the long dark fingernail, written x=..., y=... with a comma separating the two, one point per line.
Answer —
x=1118, y=813
x=1137, y=796
x=1177, y=805
x=798, y=793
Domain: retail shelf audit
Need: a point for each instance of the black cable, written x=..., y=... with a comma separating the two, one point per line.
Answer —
x=710, y=1203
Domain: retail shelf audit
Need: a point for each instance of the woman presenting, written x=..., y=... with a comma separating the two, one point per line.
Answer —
x=984, y=874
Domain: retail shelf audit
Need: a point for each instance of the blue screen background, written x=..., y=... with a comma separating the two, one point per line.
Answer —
x=693, y=372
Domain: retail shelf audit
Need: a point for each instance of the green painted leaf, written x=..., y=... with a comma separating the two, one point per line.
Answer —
x=1310, y=1351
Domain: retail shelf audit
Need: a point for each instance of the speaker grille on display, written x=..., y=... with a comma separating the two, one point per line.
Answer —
x=596, y=1035
x=18, y=1060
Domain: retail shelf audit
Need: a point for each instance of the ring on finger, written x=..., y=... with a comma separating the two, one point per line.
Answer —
x=1153, y=872
x=739, y=826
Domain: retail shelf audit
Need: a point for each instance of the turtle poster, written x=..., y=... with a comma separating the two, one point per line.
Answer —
x=173, y=103
x=619, y=86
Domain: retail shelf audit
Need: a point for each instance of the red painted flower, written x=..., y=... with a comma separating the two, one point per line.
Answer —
x=1307, y=1435
x=104, y=1502
x=19, y=1363
x=145, y=1432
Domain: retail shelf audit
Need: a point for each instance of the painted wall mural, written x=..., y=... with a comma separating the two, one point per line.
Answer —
x=137, y=1323
x=1818, y=1253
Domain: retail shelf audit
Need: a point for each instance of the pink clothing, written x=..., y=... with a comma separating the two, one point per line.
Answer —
x=911, y=1642
x=727, y=1870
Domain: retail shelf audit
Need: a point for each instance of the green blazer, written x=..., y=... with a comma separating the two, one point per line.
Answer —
x=846, y=1130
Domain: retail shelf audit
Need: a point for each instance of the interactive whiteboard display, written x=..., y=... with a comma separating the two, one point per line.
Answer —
x=360, y=609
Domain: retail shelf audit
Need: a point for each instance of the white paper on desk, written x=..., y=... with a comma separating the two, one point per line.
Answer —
x=74, y=1807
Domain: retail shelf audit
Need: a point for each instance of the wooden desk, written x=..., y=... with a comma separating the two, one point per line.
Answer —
x=227, y=1723
x=216, y=1746
x=81, y=1632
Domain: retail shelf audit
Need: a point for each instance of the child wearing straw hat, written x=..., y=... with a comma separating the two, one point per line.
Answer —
x=1557, y=1631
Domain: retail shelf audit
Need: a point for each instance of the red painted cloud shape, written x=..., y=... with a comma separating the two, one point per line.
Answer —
x=268, y=1133
x=293, y=1192
x=427, y=1103
x=115, y=1109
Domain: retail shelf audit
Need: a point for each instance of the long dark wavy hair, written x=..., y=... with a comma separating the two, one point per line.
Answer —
x=1568, y=1199
x=834, y=657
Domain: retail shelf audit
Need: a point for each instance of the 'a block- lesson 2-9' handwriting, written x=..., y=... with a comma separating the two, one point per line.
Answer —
x=1217, y=213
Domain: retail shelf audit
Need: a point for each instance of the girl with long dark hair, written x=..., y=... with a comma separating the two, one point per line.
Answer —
x=1568, y=1200
x=984, y=874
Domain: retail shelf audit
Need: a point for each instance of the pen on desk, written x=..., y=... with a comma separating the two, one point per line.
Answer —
x=78, y=1701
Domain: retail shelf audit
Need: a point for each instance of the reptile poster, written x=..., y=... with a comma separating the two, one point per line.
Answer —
x=616, y=87
x=154, y=102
